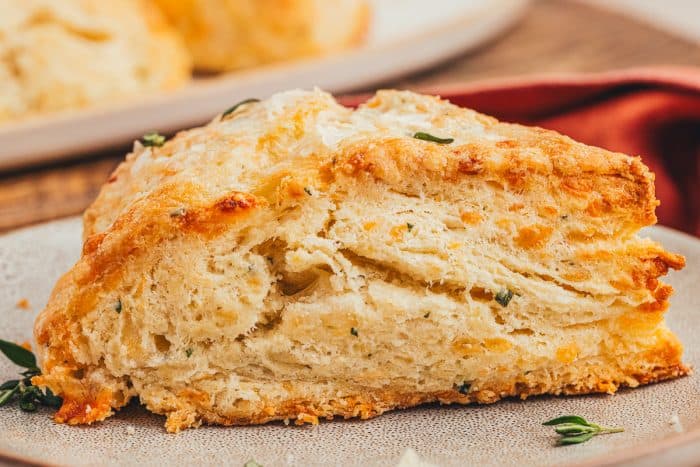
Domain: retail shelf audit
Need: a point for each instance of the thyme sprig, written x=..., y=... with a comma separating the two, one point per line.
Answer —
x=576, y=430
x=29, y=396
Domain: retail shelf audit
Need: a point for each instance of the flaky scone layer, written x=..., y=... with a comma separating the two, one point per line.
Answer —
x=297, y=259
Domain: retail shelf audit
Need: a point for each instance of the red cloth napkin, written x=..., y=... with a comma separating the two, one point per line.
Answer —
x=651, y=112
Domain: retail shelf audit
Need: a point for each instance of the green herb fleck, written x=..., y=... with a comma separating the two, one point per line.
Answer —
x=573, y=429
x=308, y=191
x=431, y=138
x=504, y=296
x=252, y=463
x=118, y=306
x=409, y=226
x=427, y=315
x=153, y=139
x=29, y=396
x=464, y=388
x=188, y=352
x=354, y=332
x=235, y=107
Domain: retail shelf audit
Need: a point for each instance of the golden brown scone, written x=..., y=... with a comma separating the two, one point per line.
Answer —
x=297, y=259
x=67, y=54
x=230, y=34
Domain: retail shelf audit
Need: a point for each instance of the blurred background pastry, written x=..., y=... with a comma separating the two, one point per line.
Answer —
x=230, y=34
x=66, y=54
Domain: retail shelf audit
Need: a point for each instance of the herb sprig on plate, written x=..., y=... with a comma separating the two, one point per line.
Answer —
x=576, y=430
x=28, y=395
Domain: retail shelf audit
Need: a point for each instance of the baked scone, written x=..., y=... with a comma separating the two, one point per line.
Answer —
x=230, y=34
x=296, y=259
x=66, y=54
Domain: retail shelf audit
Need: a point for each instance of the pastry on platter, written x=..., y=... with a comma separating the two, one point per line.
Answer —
x=296, y=259
x=228, y=34
x=58, y=55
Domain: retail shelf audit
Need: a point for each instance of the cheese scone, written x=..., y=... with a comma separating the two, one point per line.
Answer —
x=230, y=34
x=66, y=54
x=297, y=259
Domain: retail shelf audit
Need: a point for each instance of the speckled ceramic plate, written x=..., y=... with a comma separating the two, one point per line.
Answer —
x=505, y=433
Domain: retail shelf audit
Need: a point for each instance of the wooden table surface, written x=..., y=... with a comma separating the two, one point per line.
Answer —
x=553, y=36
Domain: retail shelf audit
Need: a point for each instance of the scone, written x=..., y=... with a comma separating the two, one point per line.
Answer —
x=230, y=34
x=296, y=259
x=67, y=54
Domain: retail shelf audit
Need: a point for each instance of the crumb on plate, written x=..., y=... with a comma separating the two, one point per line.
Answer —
x=675, y=423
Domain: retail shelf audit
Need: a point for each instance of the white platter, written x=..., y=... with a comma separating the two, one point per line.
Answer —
x=404, y=36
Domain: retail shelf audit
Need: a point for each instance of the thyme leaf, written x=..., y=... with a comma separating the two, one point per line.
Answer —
x=9, y=384
x=577, y=439
x=18, y=355
x=566, y=419
x=432, y=139
x=232, y=109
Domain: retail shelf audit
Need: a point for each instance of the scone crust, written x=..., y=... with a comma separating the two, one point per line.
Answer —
x=128, y=220
x=192, y=410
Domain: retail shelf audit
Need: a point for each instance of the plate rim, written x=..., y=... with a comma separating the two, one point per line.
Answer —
x=19, y=138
